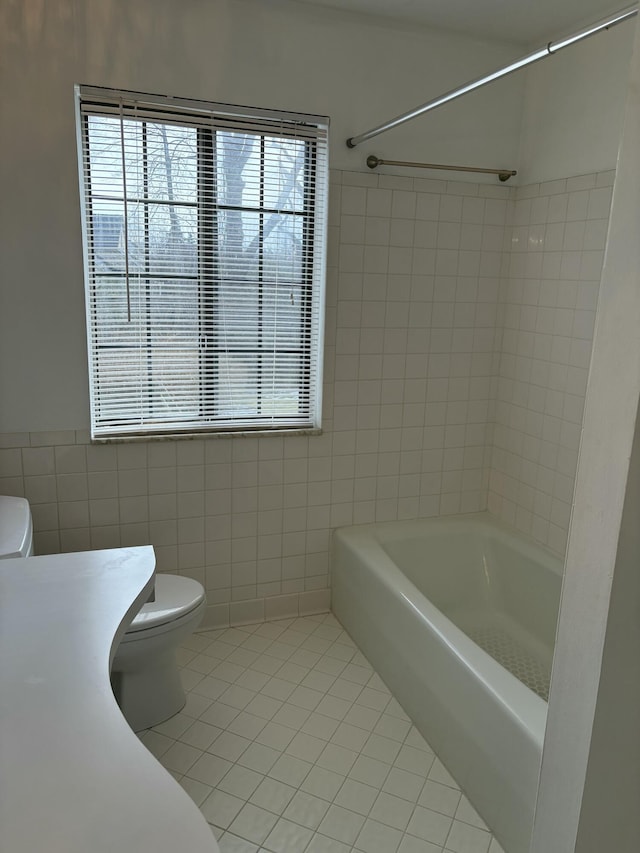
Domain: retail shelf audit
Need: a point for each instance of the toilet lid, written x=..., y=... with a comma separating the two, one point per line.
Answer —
x=175, y=597
x=15, y=527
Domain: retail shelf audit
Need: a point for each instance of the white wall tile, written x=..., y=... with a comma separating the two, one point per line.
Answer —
x=547, y=400
x=429, y=343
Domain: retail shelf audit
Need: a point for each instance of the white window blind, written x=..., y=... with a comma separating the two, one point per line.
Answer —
x=205, y=240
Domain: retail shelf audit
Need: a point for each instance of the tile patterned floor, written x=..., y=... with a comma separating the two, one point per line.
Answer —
x=291, y=743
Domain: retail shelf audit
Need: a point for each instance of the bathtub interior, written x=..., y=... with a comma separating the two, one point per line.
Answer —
x=492, y=589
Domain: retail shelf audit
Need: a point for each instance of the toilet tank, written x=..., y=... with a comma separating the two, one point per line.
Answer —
x=16, y=528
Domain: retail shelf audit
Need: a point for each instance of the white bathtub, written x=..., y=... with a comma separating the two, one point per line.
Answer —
x=414, y=595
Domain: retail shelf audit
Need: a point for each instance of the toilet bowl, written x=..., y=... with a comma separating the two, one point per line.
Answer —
x=144, y=672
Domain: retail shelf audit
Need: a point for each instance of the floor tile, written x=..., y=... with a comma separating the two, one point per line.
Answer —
x=439, y=773
x=382, y=748
x=290, y=770
x=318, y=680
x=196, y=705
x=276, y=736
x=306, y=810
x=373, y=699
x=259, y=758
x=293, y=672
x=341, y=824
x=179, y=757
x=392, y=811
x=211, y=687
x=200, y=735
x=266, y=664
x=156, y=743
x=232, y=844
x=466, y=813
x=287, y=837
x=439, y=798
x=290, y=742
x=429, y=825
x=291, y=716
x=306, y=747
x=392, y=727
x=227, y=671
x=240, y=781
x=333, y=706
x=253, y=823
x=247, y=725
x=230, y=746
x=364, y=718
x=272, y=795
x=464, y=838
x=414, y=760
x=344, y=689
x=237, y=697
x=322, y=783
x=209, y=769
x=243, y=657
x=320, y=726
x=263, y=706
x=278, y=688
x=403, y=784
x=174, y=726
x=198, y=791
x=305, y=697
x=219, y=714
x=411, y=844
x=377, y=838
x=356, y=796
x=221, y=808
x=370, y=771
x=350, y=737
x=253, y=680
x=324, y=844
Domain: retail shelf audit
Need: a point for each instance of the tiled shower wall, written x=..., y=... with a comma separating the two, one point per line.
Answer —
x=458, y=337
x=547, y=313
x=410, y=366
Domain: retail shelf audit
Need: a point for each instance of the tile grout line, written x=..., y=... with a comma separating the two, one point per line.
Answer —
x=370, y=824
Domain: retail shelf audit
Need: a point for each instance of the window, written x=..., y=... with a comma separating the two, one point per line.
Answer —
x=205, y=238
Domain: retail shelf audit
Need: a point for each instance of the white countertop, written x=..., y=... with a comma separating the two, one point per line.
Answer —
x=74, y=778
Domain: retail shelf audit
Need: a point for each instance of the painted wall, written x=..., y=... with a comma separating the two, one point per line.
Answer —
x=592, y=731
x=607, y=819
x=574, y=107
x=274, y=54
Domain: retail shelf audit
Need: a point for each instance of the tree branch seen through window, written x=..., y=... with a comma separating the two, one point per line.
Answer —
x=210, y=320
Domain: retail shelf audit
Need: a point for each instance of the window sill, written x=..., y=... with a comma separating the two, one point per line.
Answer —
x=207, y=436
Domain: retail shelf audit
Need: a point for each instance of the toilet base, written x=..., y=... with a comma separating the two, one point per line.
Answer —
x=151, y=694
x=144, y=673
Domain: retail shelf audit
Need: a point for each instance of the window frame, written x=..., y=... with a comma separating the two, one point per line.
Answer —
x=208, y=119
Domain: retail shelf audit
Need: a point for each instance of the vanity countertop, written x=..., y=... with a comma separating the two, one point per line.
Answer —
x=74, y=778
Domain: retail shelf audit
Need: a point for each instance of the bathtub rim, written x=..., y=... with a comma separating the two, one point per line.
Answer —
x=529, y=709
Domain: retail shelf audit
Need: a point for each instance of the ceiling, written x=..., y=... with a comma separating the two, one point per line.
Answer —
x=531, y=22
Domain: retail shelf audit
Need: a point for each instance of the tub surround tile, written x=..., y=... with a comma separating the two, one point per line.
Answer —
x=547, y=309
x=487, y=292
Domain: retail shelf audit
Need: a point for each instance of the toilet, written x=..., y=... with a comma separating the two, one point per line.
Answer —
x=16, y=528
x=144, y=671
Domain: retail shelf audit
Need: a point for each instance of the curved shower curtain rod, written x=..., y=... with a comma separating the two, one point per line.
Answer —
x=542, y=53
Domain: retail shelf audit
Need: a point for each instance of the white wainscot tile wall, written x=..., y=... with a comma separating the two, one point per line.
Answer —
x=547, y=314
x=458, y=337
